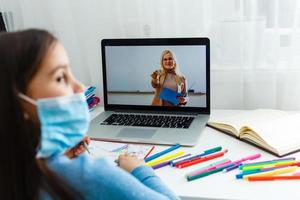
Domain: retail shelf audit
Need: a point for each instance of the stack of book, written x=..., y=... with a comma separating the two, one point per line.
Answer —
x=91, y=97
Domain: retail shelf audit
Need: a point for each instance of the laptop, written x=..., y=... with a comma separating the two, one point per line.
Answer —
x=155, y=91
x=2, y=24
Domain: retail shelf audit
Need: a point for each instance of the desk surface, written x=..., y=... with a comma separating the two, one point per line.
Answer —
x=224, y=185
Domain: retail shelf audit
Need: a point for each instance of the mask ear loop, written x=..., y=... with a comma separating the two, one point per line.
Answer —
x=29, y=100
x=26, y=98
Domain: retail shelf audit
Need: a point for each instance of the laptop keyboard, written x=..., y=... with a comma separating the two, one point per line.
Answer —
x=149, y=120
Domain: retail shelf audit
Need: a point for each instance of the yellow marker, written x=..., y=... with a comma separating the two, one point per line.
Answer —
x=163, y=159
x=273, y=172
x=286, y=163
x=261, y=166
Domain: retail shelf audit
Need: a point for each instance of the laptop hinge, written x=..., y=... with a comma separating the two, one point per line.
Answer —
x=156, y=112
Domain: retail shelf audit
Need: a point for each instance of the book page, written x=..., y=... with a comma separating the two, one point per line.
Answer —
x=250, y=118
x=112, y=150
x=282, y=134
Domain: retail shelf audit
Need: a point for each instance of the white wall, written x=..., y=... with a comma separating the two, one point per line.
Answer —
x=255, y=45
x=80, y=25
x=130, y=68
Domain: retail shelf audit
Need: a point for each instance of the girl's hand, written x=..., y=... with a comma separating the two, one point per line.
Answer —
x=128, y=162
x=78, y=149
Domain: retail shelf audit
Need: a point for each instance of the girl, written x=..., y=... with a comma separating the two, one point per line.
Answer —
x=44, y=114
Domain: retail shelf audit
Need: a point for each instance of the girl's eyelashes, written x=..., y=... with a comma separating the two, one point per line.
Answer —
x=61, y=78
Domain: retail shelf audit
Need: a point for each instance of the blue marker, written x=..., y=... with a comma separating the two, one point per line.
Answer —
x=176, y=146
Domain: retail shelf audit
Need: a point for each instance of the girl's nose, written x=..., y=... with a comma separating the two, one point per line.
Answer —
x=78, y=87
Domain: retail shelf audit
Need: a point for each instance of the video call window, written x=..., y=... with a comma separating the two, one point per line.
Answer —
x=156, y=75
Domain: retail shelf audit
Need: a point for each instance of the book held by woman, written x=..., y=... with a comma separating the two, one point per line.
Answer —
x=274, y=131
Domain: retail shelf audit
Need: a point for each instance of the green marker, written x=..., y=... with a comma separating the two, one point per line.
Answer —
x=259, y=166
x=213, y=150
x=267, y=162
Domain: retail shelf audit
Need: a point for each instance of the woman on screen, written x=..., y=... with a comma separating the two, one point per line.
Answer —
x=169, y=84
x=44, y=115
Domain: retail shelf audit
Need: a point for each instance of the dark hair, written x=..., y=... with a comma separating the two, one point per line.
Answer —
x=22, y=176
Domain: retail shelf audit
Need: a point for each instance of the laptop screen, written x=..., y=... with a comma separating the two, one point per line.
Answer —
x=157, y=74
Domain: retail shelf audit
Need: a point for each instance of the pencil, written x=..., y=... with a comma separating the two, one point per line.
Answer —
x=86, y=148
x=149, y=152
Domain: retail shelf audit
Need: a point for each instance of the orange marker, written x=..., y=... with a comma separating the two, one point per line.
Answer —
x=273, y=178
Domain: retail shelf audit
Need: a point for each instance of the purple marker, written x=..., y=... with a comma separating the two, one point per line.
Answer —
x=235, y=166
x=168, y=162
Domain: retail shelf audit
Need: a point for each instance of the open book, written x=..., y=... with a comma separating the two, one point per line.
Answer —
x=275, y=131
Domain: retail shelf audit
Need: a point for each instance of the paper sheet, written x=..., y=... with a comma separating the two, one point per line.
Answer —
x=112, y=150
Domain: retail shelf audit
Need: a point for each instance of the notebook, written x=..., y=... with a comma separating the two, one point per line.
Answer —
x=274, y=131
x=135, y=71
x=170, y=95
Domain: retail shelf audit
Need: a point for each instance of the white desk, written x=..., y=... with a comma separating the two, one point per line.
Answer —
x=224, y=185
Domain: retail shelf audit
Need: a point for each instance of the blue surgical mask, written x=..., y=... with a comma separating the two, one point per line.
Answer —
x=64, y=121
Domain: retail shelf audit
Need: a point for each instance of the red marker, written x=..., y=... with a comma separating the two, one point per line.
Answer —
x=200, y=160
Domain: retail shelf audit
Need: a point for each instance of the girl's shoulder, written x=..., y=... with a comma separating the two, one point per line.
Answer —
x=81, y=164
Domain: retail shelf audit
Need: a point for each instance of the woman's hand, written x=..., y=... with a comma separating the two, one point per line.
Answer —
x=155, y=74
x=155, y=78
x=78, y=149
x=128, y=162
x=182, y=100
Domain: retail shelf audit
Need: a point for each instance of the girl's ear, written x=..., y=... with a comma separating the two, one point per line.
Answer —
x=26, y=116
x=30, y=112
x=24, y=108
